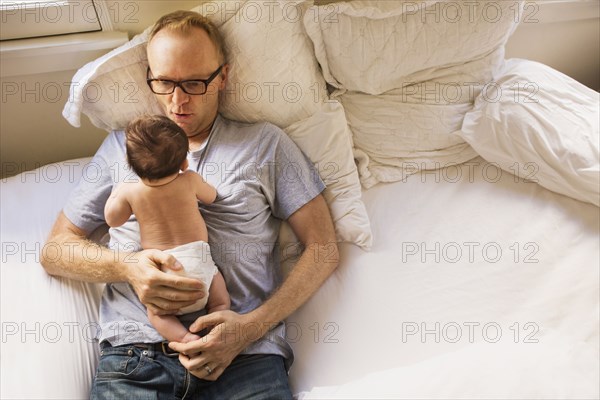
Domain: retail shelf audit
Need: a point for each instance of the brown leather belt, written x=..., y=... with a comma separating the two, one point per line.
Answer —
x=160, y=347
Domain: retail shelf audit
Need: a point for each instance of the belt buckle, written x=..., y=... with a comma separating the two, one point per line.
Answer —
x=167, y=350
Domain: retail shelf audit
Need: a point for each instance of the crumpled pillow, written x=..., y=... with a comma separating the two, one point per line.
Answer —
x=542, y=126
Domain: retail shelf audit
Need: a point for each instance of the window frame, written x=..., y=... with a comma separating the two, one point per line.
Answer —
x=25, y=19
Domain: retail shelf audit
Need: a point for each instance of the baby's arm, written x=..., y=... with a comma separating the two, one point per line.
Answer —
x=171, y=328
x=205, y=192
x=218, y=297
x=117, y=209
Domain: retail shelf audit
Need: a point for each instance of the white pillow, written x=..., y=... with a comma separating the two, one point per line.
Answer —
x=370, y=46
x=424, y=64
x=273, y=75
x=112, y=90
x=394, y=139
x=325, y=139
x=269, y=50
x=541, y=125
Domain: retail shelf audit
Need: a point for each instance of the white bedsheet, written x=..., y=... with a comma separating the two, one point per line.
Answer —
x=48, y=324
x=520, y=324
x=348, y=339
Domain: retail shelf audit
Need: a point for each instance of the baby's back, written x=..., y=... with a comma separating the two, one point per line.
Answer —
x=168, y=215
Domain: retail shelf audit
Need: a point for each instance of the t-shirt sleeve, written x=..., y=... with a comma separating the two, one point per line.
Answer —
x=85, y=204
x=292, y=180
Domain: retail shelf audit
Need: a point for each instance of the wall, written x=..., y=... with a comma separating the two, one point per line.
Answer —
x=564, y=34
x=135, y=16
x=33, y=132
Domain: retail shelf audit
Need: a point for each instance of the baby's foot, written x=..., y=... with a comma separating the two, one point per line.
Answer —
x=189, y=337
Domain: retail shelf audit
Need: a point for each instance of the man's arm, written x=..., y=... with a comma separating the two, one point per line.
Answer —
x=233, y=332
x=66, y=254
x=313, y=226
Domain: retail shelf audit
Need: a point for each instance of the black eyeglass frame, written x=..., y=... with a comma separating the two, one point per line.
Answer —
x=179, y=84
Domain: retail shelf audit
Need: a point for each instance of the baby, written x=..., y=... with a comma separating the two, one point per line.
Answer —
x=164, y=201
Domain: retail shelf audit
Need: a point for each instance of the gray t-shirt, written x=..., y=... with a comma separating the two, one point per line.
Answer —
x=261, y=178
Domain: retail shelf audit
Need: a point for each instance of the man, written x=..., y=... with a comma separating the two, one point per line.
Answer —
x=244, y=354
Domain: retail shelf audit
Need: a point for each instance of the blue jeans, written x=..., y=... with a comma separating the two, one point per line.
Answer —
x=129, y=372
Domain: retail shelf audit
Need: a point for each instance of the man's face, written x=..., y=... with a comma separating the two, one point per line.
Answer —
x=176, y=56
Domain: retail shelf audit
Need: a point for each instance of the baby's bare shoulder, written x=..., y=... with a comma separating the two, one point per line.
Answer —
x=131, y=186
x=131, y=191
x=190, y=175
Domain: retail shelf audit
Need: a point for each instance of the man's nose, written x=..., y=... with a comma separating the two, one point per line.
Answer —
x=180, y=97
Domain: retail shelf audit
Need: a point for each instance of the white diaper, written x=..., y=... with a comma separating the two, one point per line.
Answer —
x=198, y=264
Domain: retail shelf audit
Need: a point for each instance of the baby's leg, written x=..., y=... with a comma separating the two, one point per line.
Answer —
x=218, y=297
x=171, y=328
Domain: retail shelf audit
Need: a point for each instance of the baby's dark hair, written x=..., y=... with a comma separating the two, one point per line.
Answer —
x=156, y=146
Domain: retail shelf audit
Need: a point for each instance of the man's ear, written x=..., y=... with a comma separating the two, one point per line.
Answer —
x=224, y=76
x=184, y=165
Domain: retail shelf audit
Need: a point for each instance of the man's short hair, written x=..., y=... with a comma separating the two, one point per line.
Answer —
x=182, y=21
x=156, y=146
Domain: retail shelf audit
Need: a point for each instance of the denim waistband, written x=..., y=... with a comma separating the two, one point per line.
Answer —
x=159, y=347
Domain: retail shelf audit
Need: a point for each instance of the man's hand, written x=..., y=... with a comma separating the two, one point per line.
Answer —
x=230, y=333
x=160, y=292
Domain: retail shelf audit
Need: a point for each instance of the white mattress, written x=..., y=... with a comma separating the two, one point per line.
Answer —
x=348, y=339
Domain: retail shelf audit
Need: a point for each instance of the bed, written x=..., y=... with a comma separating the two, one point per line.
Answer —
x=468, y=222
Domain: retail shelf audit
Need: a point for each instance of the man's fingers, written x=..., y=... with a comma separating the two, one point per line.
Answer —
x=201, y=369
x=187, y=349
x=192, y=363
x=197, y=365
x=171, y=262
x=206, y=321
x=169, y=297
x=176, y=294
x=179, y=283
x=216, y=373
x=164, y=260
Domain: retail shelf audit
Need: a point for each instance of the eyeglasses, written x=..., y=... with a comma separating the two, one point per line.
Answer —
x=192, y=86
